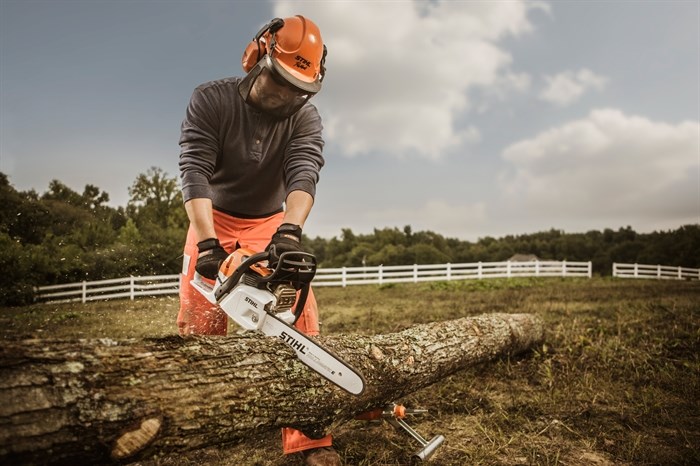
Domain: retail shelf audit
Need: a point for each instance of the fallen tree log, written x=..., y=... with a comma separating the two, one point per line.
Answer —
x=101, y=401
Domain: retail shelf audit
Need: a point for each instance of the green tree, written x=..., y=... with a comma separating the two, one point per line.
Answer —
x=62, y=193
x=156, y=208
x=155, y=197
x=16, y=279
x=425, y=254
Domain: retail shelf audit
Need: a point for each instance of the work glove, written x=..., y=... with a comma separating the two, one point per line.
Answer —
x=211, y=255
x=286, y=239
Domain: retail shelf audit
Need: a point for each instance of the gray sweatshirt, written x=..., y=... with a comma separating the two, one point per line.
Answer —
x=245, y=161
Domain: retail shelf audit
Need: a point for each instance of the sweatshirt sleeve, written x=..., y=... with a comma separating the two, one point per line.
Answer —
x=304, y=153
x=199, y=146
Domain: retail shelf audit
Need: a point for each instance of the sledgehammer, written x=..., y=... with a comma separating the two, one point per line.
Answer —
x=394, y=414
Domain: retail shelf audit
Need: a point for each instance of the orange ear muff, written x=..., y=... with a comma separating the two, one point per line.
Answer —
x=251, y=55
x=254, y=52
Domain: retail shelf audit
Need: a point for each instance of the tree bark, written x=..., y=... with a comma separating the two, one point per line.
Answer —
x=102, y=401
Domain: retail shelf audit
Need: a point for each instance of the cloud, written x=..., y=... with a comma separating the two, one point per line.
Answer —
x=567, y=87
x=608, y=165
x=399, y=73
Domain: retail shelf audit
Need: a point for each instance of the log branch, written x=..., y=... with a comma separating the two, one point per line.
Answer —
x=100, y=401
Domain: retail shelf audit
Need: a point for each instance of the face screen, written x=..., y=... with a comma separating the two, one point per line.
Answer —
x=271, y=93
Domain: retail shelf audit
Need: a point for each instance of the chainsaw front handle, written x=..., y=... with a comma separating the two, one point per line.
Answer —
x=295, y=267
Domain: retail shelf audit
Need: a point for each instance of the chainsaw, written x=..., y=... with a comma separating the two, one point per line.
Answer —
x=260, y=298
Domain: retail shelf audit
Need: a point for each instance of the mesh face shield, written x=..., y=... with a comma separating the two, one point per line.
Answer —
x=266, y=89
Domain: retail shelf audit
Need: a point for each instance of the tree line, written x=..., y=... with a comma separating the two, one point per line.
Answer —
x=64, y=236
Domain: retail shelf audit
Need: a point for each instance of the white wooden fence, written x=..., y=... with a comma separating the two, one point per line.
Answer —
x=343, y=276
x=129, y=287
x=659, y=272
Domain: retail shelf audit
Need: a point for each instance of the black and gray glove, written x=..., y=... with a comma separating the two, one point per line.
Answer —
x=286, y=239
x=211, y=255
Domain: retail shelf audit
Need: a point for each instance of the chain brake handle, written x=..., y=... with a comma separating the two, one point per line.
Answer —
x=294, y=267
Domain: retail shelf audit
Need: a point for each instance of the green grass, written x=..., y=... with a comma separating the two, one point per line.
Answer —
x=616, y=381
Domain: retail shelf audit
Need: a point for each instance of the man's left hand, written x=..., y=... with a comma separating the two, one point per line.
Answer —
x=286, y=239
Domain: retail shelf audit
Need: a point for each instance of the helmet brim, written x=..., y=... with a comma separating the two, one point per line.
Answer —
x=291, y=76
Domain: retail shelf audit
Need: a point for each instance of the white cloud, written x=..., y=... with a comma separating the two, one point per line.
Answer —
x=608, y=166
x=567, y=87
x=399, y=73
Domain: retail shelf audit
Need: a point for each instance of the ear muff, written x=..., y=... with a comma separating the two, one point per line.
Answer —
x=254, y=51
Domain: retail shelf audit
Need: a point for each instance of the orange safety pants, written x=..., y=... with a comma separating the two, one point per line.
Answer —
x=199, y=317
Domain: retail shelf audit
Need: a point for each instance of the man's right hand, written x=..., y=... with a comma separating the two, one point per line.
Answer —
x=211, y=255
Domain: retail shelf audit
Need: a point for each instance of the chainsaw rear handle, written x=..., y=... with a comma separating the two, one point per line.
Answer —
x=295, y=267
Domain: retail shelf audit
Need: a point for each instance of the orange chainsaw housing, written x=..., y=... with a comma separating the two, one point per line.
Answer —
x=236, y=258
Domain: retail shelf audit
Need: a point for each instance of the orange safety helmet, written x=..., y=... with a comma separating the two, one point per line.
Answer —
x=295, y=49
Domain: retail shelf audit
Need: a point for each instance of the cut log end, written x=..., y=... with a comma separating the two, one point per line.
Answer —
x=133, y=441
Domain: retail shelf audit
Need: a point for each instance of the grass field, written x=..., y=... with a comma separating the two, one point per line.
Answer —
x=617, y=380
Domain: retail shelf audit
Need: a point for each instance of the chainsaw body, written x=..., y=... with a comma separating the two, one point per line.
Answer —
x=270, y=300
x=246, y=286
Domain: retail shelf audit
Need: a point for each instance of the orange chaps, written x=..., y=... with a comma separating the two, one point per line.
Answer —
x=198, y=317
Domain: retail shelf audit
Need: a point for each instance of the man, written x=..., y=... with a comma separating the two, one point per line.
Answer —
x=250, y=146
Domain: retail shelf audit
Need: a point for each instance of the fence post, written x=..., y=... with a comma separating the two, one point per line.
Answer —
x=449, y=271
x=636, y=270
x=344, y=277
x=415, y=273
x=563, y=268
x=381, y=275
x=131, y=287
x=590, y=269
x=537, y=268
x=658, y=270
x=84, y=292
x=479, y=271
x=680, y=272
x=508, y=269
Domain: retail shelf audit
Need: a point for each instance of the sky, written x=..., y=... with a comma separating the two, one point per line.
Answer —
x=465, y=118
